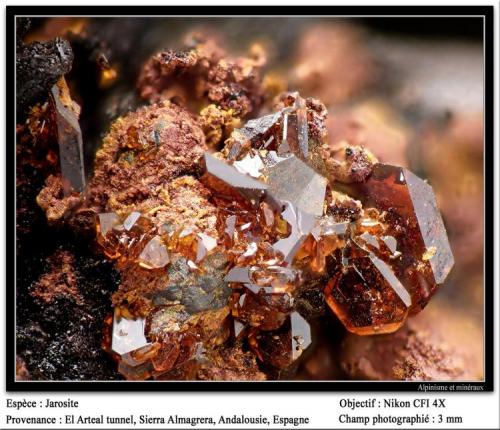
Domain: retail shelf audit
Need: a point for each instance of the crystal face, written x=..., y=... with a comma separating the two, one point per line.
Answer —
x=304, y=188
x=250, y=166
x=106, y=222
x=295, y=130
x=154, y=255
x=221, y=176
x=415, y=223
x=128, y=335
x=281, y=230
x=69, y=136
x=301, y=224
x=130, y=344
x=257, y=132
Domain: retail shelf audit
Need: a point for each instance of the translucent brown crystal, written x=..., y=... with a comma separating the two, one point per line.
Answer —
x=282, y=348
x=367, y=297
x=414, y=221
x=125, y=240
x=266, y=310
x=256, y=132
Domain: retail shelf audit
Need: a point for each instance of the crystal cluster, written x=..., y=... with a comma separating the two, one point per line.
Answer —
x=283, y=221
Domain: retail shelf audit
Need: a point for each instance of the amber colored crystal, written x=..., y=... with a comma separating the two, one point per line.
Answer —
x=106, y=222
x=125, y=241
x=373, y=239
x=134, y=139
x=367, y=297
x=317, y=251
x=143, y=354
x=166, y=340
x=189, y=345
x=302, y=127
x=257, y=307
x=185, y=243
x=414, y=220
x=326, y=237
x=280, y=279
x=106, y=237
x=282, y=348
x=154, y=255
x=167, y=355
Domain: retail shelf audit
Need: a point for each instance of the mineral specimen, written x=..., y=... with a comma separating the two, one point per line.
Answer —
x=154, y=255
x=291, y=223
x=231, y=241
x=52, y=130
x=230, y=261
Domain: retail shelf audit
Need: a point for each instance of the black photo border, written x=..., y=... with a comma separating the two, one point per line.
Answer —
x=353, y=386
